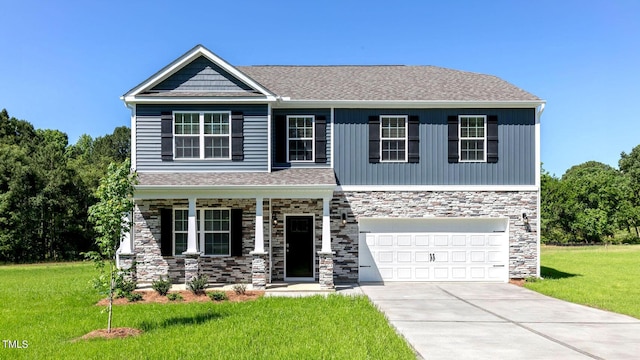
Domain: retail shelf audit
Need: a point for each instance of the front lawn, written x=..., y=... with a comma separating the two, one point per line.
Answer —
x=602, y=277
x=48, y=306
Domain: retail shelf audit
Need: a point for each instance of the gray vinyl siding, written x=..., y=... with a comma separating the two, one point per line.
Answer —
x=516, y=150
x=315, y=112
x=148, y=137
x=202, y=75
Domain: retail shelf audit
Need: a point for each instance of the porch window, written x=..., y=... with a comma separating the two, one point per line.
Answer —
x=300, y=138
x=213, y=234
x=473, y=138
x=202, y=135
x=393, y=138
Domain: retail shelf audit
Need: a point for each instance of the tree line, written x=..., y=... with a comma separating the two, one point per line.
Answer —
x=47, y=186
x=593, y=203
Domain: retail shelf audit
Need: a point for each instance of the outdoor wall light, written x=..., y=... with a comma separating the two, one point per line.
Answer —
x=274, y=219
x=525, y=220
x=343, y=216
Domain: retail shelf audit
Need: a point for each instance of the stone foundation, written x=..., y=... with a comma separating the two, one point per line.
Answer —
x=150, y=264
x=325, y=261
x=259, y=271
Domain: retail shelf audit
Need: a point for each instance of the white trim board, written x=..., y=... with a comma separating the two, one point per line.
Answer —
x=437, y=188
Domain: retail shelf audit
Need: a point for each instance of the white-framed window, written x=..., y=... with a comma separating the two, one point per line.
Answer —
x=393, y=138
x=213, y=231
x=300, y=138
x=202, y=135
x=473, y=138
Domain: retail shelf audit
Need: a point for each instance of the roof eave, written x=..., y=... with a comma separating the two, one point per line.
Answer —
x=287, y=102
x=132, y=99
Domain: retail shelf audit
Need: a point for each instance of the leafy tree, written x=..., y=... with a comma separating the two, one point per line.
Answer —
x=114, y=200
x=593, y=194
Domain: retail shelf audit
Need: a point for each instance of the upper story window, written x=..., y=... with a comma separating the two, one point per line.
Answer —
x=214, y=233
x=393, y=138
x=300, y=138
x=202, y=135
x=473, y=144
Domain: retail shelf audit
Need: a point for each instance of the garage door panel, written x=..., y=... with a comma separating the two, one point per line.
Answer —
x=478, y=240
x=440, y=240
x=385, y=240
x=459, y=273
x=478, y=256
x=404, y=274
x=422, y=257
x=404, y=240
x=434, y=256
x=478, y=273
x=404, y=257
x=459, y=256
x=422, y=240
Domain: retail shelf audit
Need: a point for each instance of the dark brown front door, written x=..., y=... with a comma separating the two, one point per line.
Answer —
x=299, y=247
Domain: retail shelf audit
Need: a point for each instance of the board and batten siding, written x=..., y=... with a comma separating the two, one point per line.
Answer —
x=315, y=112
x=202, y=75
x=516, y=150
x=148, y=139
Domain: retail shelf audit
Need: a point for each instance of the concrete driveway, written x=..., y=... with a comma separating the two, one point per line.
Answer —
x=501, y=321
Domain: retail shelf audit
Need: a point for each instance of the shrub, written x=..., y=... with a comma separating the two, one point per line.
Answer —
x=218, y=296
x=629, y=239
x=161, y=286
x=198, y=284
x=133, y=297
x=175, y=297
x=124, y=287
x=240, y=289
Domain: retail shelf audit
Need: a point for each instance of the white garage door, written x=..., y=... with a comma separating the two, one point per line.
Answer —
x=392, y=253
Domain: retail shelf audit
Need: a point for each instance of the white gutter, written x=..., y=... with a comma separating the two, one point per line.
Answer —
x=413, y=104
x=538, y=163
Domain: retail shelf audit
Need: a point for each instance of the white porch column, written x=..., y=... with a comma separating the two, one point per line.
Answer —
x=192, y=231
x=326, y=225
x=259, y=240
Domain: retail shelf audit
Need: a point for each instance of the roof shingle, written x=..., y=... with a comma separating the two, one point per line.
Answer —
x=287, y=177
x=384, y=83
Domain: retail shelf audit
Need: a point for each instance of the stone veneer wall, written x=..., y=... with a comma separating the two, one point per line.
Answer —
x=523, y=245
x=150, y=264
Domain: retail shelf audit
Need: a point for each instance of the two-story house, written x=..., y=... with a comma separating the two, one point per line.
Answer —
x=330, y=174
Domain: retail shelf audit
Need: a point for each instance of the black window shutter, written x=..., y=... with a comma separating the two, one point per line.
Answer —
x=321, y=139
x=374, y=139
x=414, y=139
x=237, y=136
x=452, y=124
x=236, y=232
x=166, y=128
x=281, y=139
x=492, y=139
x=166, y=232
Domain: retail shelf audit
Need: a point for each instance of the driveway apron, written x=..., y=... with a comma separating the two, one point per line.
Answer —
x=501, y=321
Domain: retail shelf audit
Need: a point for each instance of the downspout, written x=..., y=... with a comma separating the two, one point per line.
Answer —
x=538, y=162
x=270, y=242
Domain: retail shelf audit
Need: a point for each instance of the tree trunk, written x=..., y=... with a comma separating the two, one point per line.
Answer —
x=111, y=290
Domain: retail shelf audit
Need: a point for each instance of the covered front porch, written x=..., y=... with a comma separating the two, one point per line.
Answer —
x=272, y=227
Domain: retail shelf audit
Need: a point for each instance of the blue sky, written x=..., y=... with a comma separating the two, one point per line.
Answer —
x=64, y=64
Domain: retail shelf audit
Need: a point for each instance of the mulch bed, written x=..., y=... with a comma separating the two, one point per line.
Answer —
x=153, y=297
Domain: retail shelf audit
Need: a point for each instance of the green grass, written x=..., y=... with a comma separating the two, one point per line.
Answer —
x=50, y=305
x=602, y=277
